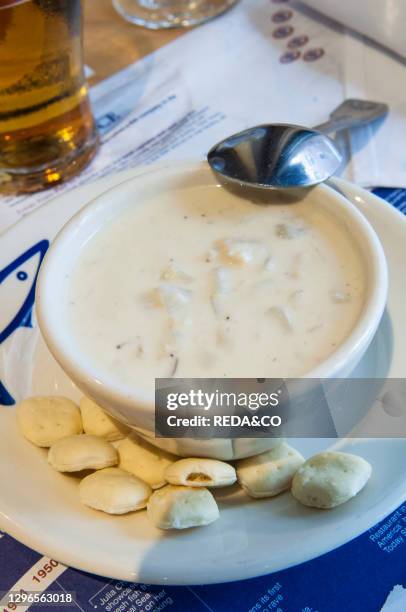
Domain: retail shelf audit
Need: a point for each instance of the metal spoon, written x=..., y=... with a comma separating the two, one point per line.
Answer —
x=283, y=156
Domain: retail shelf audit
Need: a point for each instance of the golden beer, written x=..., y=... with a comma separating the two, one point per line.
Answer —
x=47, y=131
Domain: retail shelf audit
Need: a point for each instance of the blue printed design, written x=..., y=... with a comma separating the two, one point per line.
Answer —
x=23, y=317
x=5, y=398
x=396, y=197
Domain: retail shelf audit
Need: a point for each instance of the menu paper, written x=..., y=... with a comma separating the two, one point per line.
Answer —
x=262, y=62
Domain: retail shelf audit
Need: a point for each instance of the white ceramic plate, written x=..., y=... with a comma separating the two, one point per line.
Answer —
x=41, y=508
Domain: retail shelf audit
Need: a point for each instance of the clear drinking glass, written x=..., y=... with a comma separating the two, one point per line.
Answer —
x=47, y=131
x=157, y=14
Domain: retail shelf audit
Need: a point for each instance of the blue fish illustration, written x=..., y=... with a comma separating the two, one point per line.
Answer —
x=17, y=314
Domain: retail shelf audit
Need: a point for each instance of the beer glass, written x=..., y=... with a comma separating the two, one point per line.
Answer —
x=47, y=131
x=156, y=14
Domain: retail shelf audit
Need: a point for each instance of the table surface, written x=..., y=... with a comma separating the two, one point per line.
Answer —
x=111, y=43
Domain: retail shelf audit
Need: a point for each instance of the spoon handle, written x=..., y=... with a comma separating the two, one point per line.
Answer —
x=353, y=113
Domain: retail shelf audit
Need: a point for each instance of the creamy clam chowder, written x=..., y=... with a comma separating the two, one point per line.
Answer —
x=202, y=283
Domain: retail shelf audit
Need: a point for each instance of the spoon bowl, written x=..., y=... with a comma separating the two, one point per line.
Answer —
x=276, y=156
